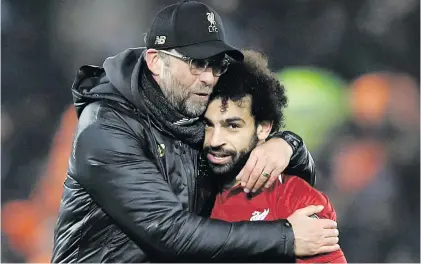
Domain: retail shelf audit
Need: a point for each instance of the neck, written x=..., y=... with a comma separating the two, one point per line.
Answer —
x=235, y=183
x=228, y=184
x=228, y=179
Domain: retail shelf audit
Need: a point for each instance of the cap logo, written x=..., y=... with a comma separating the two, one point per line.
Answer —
x=160, y=40
x=211, y=18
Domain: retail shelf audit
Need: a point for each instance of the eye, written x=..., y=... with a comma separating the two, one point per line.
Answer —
x=199, y=64
x=233, y=126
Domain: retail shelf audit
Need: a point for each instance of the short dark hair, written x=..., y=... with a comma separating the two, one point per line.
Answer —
x=253, y=77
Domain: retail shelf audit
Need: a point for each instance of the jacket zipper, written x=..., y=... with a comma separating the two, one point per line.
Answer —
x=191, y=181
x=154, y=150
x=195, y=180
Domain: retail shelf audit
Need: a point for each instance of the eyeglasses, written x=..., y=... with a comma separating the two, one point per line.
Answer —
x=218, y=67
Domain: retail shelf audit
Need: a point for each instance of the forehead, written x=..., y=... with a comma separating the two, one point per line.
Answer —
x=241, y=109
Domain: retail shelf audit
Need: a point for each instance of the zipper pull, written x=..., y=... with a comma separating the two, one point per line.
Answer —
x=183, y=149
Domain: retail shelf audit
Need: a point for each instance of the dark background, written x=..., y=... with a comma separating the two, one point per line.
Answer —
x=351, y=69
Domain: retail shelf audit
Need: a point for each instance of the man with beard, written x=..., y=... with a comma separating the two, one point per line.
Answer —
x=135, y=189
x=244, y=108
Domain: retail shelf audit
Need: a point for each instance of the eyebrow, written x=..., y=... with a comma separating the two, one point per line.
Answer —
x=234, y=119
x=228, y=120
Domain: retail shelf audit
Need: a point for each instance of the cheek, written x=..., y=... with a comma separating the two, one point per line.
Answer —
x=188, y=79
x=183, y=75
x=243, y=140
x=208, y=135
x=235, y=141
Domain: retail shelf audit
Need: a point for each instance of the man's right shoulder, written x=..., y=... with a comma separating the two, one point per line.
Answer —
x=110, y=116
x=108, y=110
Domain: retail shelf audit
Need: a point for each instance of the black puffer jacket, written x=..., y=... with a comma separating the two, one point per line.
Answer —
x=132, y=193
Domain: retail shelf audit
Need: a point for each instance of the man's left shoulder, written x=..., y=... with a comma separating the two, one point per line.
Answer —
x=297, y=184
x=304, y=195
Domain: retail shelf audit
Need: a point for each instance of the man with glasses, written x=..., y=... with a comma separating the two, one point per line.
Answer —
x=218, y=64
x=136, y=189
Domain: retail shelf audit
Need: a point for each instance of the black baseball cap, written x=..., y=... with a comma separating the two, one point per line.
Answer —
x=193, y=29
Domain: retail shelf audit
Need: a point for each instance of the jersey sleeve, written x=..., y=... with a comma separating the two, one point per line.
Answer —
x=299, y=194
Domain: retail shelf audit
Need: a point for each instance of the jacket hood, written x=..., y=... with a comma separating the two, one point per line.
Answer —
x=117, y=80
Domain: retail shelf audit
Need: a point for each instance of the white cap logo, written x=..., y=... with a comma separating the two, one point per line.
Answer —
x=160, y=40
x=211, y=18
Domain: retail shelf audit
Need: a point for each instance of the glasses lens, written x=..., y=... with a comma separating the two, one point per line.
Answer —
x=198, y=66
x=220, y=68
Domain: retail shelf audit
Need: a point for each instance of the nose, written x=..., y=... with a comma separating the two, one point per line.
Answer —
x=207, y=77
x=216, y=138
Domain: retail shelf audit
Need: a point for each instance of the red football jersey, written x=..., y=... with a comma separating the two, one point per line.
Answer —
x=277, y=202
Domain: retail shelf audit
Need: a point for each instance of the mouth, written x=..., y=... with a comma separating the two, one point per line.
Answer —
x=202, y=95
x=218, y=158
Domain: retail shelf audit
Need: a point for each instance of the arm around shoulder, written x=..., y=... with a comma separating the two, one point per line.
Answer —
x=302, y=163
x=113, y=166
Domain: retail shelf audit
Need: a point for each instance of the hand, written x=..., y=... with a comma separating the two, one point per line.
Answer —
x=266, y=162
x=313, y=236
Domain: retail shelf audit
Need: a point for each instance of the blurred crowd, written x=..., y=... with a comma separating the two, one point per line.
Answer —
x=352, y=74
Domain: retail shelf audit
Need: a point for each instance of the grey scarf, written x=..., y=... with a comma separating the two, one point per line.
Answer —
x=170, y=120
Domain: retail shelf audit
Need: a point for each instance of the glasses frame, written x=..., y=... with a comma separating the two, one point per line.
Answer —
x=196, y=70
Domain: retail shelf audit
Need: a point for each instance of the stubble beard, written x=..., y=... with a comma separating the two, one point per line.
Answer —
x=179, y=95
x=237, y=162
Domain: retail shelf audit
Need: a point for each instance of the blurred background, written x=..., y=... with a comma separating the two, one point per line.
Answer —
x=352, y=73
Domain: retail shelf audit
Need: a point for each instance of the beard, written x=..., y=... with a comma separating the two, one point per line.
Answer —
x=180, y=96
x=238, y=159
